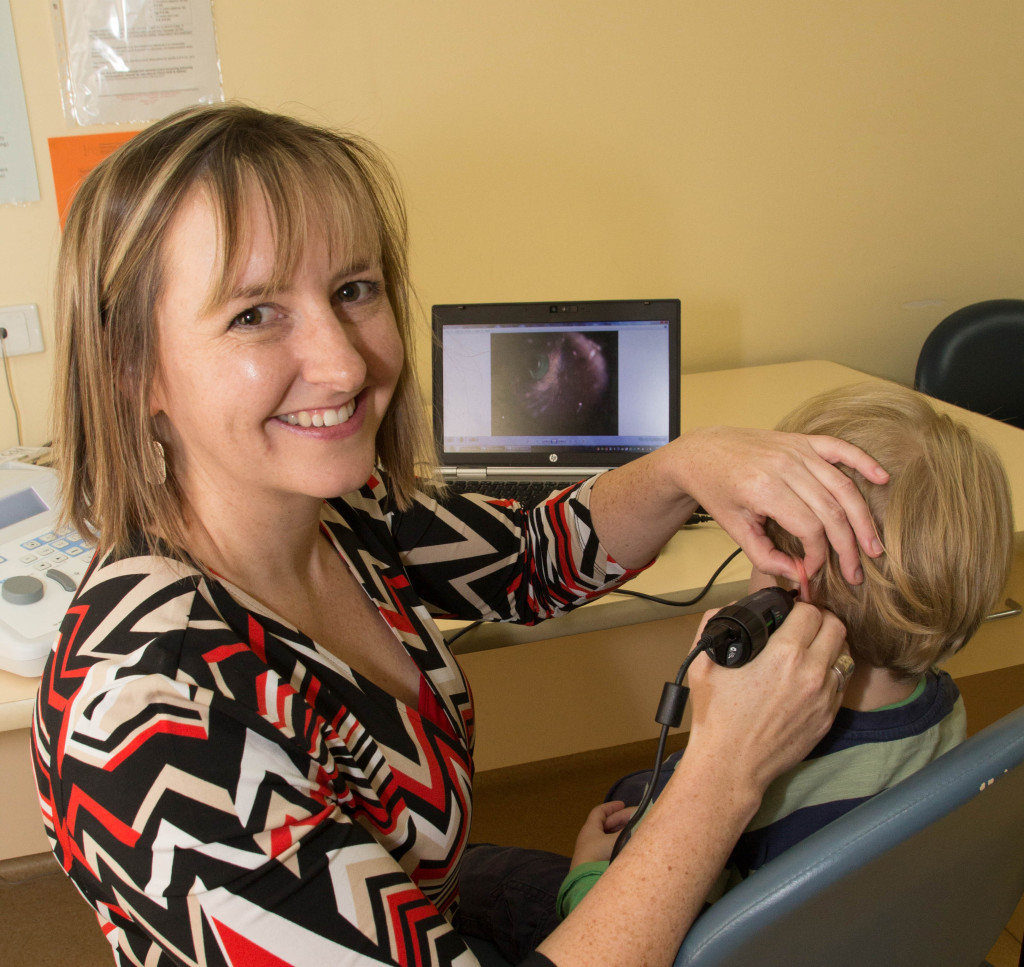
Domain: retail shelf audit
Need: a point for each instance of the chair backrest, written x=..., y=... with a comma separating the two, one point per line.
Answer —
x=926, y=874
x=975, y=358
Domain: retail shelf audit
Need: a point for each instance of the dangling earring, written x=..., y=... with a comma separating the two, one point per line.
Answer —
x=157, y=472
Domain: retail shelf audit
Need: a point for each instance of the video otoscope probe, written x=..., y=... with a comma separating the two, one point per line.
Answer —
x=734, y=636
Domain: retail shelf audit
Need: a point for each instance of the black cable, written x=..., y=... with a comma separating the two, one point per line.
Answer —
x=673, y=698
x=670, y=715
x=680, y=604
x=734, y=636
x=458, y=634
x=635, y=594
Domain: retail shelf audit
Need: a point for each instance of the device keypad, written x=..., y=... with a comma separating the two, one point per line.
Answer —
x=44, y=554
x=53, y=547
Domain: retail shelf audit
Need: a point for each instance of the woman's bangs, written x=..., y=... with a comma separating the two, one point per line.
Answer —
x=306, y=204
x=319, y=204
x=343, y=215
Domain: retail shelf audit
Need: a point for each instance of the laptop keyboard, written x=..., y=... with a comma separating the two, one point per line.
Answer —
x=528, y=492
x=531, y=492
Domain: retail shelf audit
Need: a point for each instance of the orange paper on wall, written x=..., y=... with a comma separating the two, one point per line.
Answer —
x=72, y=158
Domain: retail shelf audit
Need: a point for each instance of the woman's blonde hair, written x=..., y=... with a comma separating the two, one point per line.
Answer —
x=109, y=279
x=945, y=519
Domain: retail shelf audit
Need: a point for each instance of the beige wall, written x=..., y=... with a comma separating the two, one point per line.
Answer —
x=799, y=173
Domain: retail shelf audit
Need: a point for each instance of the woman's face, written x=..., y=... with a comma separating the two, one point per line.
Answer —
x=275, y=391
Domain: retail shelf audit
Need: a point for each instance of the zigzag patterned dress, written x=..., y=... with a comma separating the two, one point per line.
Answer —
x=222, y=791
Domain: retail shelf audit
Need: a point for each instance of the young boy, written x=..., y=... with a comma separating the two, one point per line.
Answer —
x=946, y=522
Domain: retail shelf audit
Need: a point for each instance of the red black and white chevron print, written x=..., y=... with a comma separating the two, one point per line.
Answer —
x=223, y=792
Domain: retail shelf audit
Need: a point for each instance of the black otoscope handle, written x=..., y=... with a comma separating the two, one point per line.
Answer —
x=739, y=631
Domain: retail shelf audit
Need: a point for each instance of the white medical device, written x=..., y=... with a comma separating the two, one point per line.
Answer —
x=40, y=567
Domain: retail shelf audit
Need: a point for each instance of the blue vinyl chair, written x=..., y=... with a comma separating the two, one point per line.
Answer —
x=926, y=874
x=974, y=358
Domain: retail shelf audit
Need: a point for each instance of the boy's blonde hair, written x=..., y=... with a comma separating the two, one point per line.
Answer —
x=945, y=519
x=109, y=279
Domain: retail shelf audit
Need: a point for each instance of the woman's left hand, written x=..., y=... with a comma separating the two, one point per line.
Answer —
x=741, y=477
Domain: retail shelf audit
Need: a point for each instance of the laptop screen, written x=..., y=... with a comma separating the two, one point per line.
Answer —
x=583, y=383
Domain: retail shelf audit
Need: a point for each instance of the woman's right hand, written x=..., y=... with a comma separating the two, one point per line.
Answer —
x=766, y=716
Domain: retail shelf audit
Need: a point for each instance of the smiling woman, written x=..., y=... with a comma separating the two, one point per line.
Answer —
x=252, y=743
x=246, y=179
x=272, y=403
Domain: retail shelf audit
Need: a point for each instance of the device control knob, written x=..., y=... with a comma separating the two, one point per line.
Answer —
x=22, y=589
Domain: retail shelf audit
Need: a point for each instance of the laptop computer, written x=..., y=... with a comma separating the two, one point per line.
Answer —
x=552, y=391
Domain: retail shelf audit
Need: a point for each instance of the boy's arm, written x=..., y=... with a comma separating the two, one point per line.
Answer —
x=594, y=844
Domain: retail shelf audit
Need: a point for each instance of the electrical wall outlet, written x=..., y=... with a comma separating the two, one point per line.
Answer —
x=24, y=334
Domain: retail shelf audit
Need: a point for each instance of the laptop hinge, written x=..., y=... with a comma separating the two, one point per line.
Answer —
x=517, y=473
x=553, y=472
x=464, y=473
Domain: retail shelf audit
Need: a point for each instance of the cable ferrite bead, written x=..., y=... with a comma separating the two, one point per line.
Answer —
x=672, y=704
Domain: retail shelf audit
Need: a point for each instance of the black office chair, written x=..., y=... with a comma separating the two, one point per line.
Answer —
x=926, y=874
x=975, y=359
